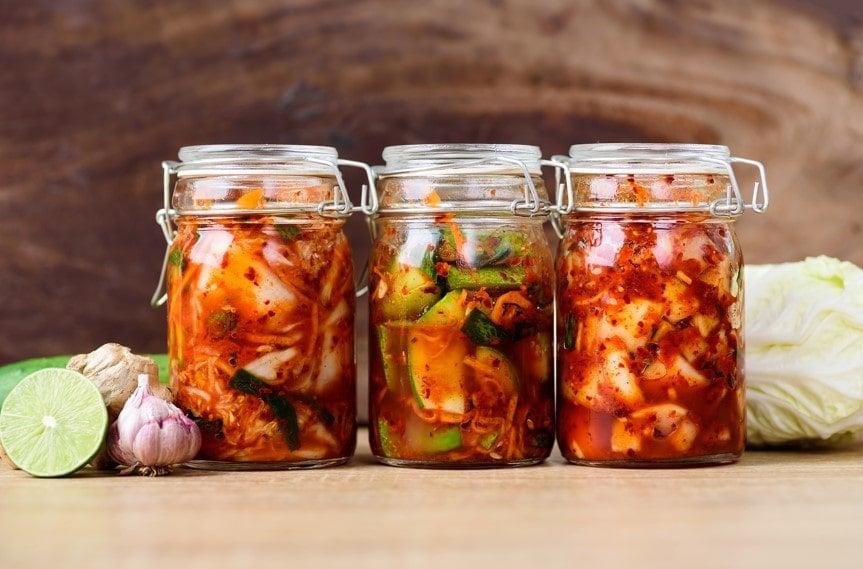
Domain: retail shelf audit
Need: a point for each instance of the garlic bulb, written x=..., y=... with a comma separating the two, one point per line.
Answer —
x=151, y=435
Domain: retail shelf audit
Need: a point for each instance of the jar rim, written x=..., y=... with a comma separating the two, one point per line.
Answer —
x=459, y=158
x=647, y=158
x=217, y=159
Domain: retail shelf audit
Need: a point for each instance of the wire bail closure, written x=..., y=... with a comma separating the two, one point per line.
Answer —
x=339, y=207
x=731, y=205
x=561, y=170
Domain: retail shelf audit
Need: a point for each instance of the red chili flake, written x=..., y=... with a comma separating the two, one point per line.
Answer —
x=250, y=274
x=442, y=269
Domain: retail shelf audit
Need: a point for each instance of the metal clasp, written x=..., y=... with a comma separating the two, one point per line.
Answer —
x=561, y=169
x=369, y=197
x=760, y=193
x=734, y=204
x=164, y=218
x=368, y=205
x=531, y=204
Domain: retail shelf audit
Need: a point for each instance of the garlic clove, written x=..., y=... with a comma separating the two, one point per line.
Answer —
x=151, y=434
x=147, y=445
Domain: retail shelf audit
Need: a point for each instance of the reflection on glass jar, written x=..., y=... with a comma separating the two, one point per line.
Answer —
x=461, y=309
x=261, y=307
x=650, y=308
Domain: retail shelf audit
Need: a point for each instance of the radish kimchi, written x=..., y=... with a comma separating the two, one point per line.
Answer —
x=650, y=333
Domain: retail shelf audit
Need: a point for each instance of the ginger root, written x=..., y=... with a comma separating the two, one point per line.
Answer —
x=114, y=369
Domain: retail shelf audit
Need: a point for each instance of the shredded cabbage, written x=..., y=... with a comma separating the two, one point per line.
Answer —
x=804, y=352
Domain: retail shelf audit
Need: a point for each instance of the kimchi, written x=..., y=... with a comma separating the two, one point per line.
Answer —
x=650, y=330
x=261, y=323
x=461, y=317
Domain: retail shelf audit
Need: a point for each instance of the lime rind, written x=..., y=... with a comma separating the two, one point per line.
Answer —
x=53, y=423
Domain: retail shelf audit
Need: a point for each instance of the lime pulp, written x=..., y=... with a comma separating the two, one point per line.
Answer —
x=53, y=422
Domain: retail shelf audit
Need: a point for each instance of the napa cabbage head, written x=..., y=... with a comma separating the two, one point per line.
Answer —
x=804, y=352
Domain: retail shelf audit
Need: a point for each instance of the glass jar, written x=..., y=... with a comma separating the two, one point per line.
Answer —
x=461, y=315
x=650, y=306
x=261, y=304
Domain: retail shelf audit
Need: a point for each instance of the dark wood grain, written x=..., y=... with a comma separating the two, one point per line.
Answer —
x=95, y=93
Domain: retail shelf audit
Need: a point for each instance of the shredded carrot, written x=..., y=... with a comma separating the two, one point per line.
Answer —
x=459, y=238
x=432, y=199
x=253, y=199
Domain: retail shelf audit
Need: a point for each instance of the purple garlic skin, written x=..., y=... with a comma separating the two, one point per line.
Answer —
x=151, y=434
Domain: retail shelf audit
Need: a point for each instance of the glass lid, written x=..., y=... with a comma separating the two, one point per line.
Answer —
x=653, y=178
x=238, y=158
x=459, y=157
x=434, y=178
x=642, y=158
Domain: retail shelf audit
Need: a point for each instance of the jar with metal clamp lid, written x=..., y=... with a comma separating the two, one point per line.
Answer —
x=461, y=316
x=650, y=305
x=260, y=296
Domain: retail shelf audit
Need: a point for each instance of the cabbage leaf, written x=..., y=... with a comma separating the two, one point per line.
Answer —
x=804, y=352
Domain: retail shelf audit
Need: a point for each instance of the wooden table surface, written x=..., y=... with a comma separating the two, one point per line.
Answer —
x=777, y=509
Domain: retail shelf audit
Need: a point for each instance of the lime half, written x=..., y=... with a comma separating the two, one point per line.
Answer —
x=53, y=422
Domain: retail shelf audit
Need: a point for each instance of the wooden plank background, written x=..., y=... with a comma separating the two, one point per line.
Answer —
x=95, y=93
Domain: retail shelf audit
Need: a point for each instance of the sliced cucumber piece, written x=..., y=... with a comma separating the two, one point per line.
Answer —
x=498, y=247
x=481, y=330
x=436, y=367
x=488, y=440
x=446, y=250
x=449, y=311
x=387, y=439
x=493, y=365
x=391, y=340
x=481, y=248
x=436, y=350
x=427, y=439
x=411, y=290
x=497, y=278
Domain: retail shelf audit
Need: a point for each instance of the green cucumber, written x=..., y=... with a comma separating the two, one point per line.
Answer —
x=436, y=350
x=499, y=247
x=482, y=248
x=497, y=278
x=569, y=332
x=387, y=439
x=11, y=374
x=448, y=311
x=446, y=249
x=391, y=341
x=481, y=330
x=488, y=440
x=411, y=290
x=427, y=439
x=495, y=365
